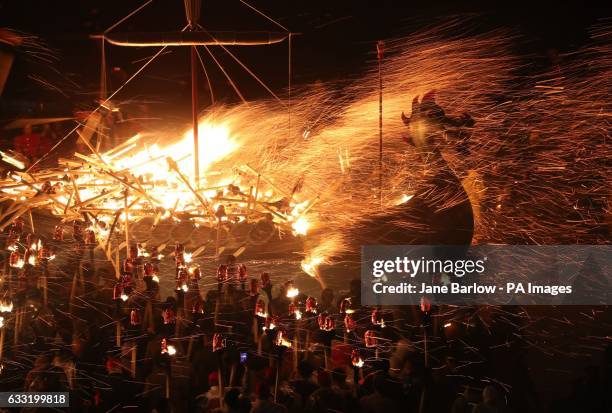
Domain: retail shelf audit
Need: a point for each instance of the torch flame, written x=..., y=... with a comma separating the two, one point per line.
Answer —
x=6, y=306
x=292, y=292
x=19, y=264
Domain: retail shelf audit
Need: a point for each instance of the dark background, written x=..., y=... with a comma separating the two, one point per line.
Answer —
x=336, y=41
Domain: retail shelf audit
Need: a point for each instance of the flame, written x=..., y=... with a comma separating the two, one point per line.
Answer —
x=6, y=306
x=310, y=265
x=321, y=253
x=300, y=223
x=292, y=292
x=403, y=199
x=167, y=348
x=142, y=252
x=171, y=350
x=215, y=141
x=300, y=226
x=12, y=160
x=19, y=264
x=163, y=185
x=271, y=327
x=282, y=341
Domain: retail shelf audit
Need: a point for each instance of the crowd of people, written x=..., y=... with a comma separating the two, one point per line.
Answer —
x=239, y=342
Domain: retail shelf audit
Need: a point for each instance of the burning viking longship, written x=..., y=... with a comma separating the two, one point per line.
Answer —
x=180, y=193
x=240, y=211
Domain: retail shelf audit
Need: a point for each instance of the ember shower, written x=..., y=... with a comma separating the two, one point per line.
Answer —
x=534, y=138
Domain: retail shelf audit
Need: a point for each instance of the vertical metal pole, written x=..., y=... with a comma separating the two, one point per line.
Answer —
x=194, y=115
x=379, y=49
x=289, y=85
x=126, y=209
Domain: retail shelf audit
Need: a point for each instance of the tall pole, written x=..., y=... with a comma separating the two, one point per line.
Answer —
x=194, y=115
x=192, y=12
x=379, y=50
x=102, y=94
x=289, y=85
x=126, y=209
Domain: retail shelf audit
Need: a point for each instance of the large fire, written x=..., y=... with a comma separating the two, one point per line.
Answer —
x=166, y=186
x=139, y=179
x=317, y=175
x=215, y=140
x=171, y=188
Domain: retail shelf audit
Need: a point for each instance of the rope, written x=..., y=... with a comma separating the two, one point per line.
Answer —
x=128, y=16
x=100, y=105
x=212, y=96
x=250, y=72
x=264, y=15
x=227, y=76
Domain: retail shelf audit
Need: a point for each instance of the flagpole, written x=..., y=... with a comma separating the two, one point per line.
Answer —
x=379, y=50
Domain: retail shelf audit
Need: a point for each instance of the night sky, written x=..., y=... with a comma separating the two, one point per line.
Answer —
x=336, y=41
